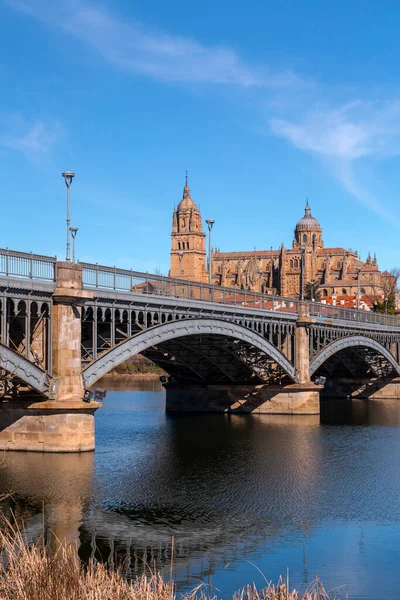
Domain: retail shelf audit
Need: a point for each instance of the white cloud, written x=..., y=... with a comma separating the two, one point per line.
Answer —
x=34, y=138
x=351, y=132
x=138, y=49
x=345, y=137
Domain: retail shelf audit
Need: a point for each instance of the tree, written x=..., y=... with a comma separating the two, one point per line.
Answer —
x=312, y=291
x=389, y=286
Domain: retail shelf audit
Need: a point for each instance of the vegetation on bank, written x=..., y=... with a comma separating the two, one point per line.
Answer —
x=33, y=572
x=137, y=365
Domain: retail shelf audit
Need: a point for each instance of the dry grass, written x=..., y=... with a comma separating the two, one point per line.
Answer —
x=32, y=572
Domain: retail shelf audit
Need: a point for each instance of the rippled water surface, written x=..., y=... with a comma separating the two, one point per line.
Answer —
x=238, y=494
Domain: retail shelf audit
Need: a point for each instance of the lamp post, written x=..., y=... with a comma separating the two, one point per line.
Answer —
x=210, y=223
x=68, y=177
x=180, y=256
x=260, y=275
x=74, y=231
x=358, y=269
x=302, y=274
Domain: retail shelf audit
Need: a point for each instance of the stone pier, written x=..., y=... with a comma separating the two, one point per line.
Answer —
x=64, y=423
x=373, y=388
x=296, y=399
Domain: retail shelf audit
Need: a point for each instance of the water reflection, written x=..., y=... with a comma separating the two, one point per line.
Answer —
x=313, y=495
x=360, y=412
x=48, y=489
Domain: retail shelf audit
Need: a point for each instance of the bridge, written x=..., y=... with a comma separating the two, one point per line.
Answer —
x=64, y=325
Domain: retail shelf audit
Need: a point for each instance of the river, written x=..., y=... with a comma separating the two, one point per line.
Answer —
x=243, y=497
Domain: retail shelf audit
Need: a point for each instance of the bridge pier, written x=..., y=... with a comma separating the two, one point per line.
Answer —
x=301, y=399
x=64, y=423
x=377, y=388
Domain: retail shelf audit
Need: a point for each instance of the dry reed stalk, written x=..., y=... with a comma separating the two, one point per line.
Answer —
x=31, y=572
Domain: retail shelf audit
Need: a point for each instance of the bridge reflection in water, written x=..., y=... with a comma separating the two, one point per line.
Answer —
x=228, y=488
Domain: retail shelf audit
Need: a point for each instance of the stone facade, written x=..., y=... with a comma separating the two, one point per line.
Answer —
x=188, y=252
x=273, y=271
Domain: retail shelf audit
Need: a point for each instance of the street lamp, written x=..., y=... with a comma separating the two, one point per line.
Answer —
x=260, y=275
x=210, y=223
x=74, y=231
x=180, y=256
x=68, y=176
x=302, y=274
x=358, y=269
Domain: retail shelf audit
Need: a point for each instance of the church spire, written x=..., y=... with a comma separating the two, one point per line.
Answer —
x=186, y=189
x=307, y=210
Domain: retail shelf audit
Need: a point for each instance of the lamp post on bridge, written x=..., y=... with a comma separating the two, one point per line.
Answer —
x=210, y=223
x=358, y=269
x=74, y=231
x=302, y=273
x=68, y=177
x=180, y=256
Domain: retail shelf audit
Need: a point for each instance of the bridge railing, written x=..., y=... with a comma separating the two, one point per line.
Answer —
x=111, y=278
x=353, y=315
x=27, y=265
x=36, y=266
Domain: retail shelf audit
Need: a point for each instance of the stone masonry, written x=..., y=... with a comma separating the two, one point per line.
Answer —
x=65, y=424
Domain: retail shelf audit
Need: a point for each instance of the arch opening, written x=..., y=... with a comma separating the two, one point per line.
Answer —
x=200, y=350
x=355, y=357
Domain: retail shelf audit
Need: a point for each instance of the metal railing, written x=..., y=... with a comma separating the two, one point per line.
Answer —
x=27, y=265
x=111, y=278
x=36, y=266
x=352, y=315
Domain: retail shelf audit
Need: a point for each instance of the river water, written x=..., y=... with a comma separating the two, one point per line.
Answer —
x=242, y=497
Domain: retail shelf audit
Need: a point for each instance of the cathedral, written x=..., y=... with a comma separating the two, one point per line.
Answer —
x=272, y=271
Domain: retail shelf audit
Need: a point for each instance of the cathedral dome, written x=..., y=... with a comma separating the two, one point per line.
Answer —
x=308, y=221
x=186, y=203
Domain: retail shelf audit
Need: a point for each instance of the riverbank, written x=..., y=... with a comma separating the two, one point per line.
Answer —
x=36, y=572
x=137, y=367
x=115, y=376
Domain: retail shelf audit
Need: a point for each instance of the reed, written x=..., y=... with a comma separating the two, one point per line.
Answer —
x=32, y=572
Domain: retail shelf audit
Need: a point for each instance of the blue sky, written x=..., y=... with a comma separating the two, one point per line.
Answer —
x=265, y=104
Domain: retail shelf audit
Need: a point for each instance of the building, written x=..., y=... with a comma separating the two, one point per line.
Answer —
x=188, y=251
x=273, y=271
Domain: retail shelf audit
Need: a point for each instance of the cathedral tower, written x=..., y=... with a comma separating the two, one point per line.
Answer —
x=188, y=252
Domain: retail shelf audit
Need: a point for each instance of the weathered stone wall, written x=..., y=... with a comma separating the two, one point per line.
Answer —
x=42, y=429
x=259, y=399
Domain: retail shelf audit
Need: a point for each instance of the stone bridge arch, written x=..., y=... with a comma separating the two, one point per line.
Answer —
x=353, y=342
x=184, y=328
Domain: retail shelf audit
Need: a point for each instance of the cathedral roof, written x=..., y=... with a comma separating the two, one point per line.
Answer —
x=246, y=254
x=186, y=203
x=308, y=221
